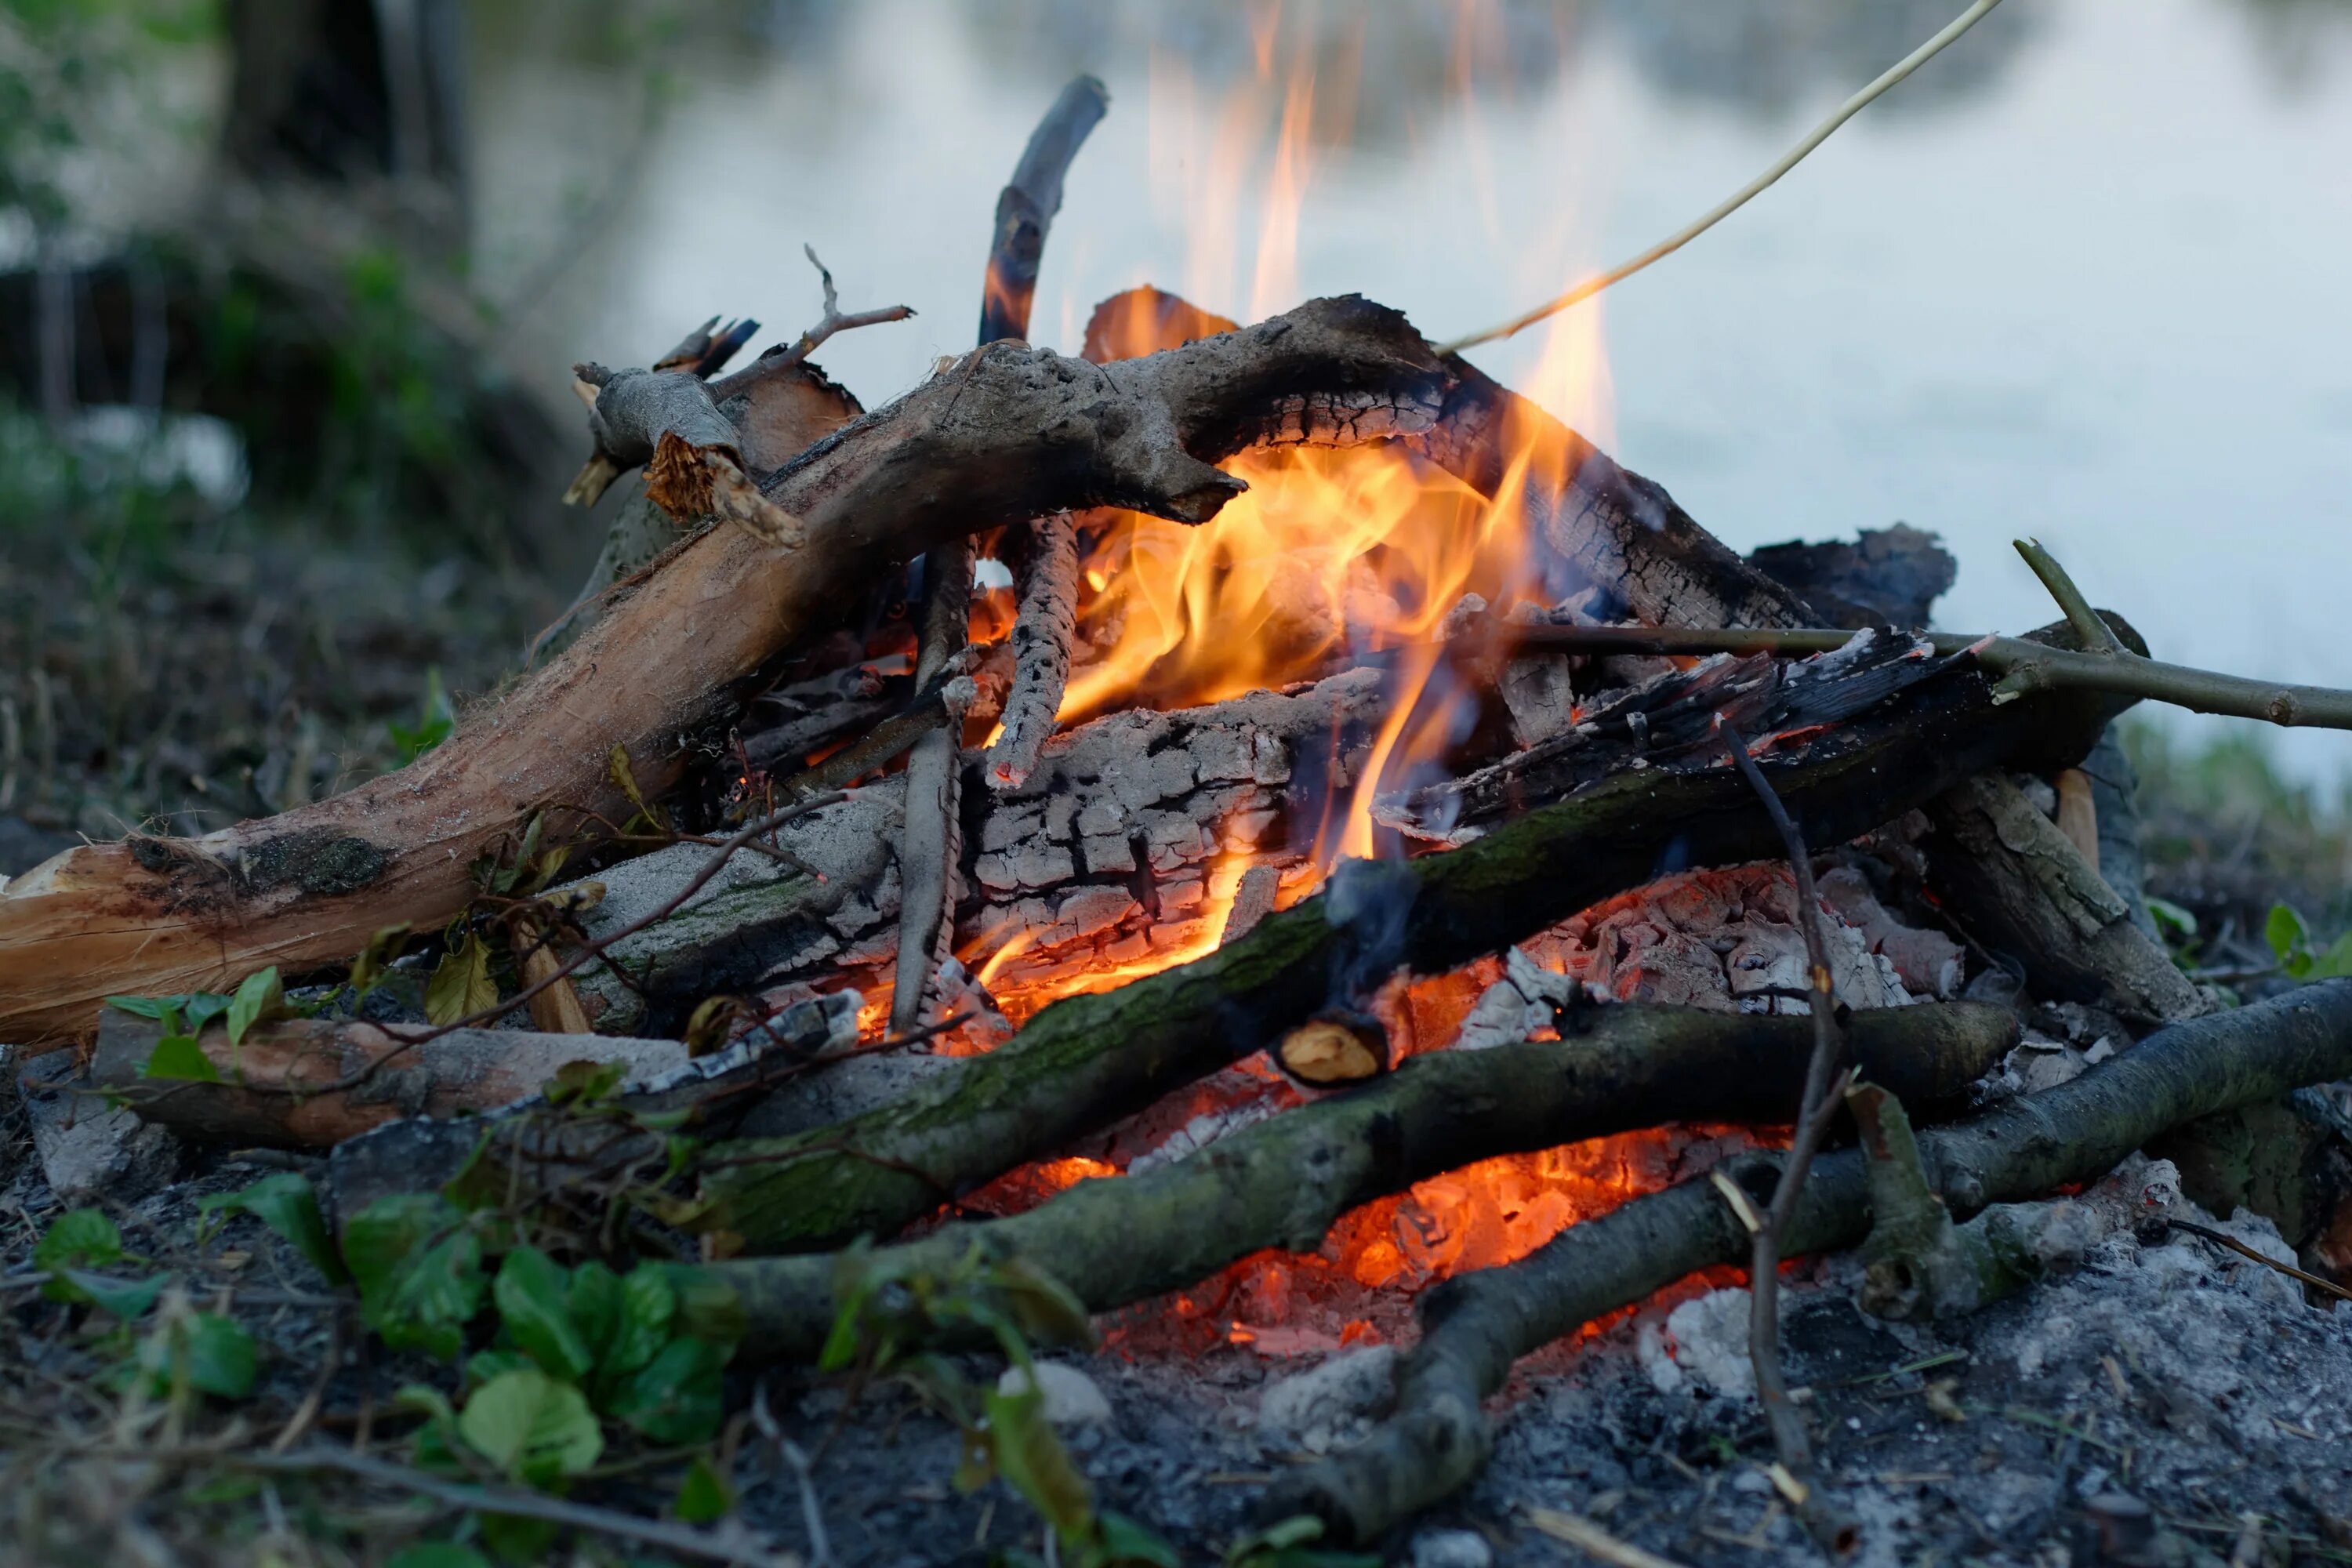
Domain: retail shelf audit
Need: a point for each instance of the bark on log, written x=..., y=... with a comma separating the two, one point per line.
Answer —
x=465, y=1071
x=2020, y=886
x=1086, y=1061
x=1283, y=1182
x=1475, y=1325
x=1006, y=434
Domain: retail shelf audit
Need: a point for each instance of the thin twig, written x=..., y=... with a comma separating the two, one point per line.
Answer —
x=2240, y=1247
x=1739, y=198
x=2027, y=665
x=735, y=1543
x=1832, y=1527
x=820, y=1544
x=775, y=362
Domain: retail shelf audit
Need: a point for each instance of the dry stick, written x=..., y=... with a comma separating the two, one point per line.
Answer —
x=1286, y=1181
x=1834, y=1529
x=931, y=846
x=775, y=362
x=1045, y=626
x=941, y=703
x=1739, y=198
x=2022, y=665
x=2329, y=1285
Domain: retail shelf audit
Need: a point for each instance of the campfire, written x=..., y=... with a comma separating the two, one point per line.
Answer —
x=1252, y=832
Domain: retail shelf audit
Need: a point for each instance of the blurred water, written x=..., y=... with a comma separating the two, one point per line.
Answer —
x=2081, y=278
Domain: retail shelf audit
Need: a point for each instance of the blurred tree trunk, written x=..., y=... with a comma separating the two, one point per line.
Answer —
x=346, y=93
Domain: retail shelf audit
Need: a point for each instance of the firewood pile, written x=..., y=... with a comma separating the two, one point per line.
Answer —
x=1272, y=766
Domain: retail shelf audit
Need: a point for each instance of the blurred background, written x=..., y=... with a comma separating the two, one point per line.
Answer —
x=290, y=291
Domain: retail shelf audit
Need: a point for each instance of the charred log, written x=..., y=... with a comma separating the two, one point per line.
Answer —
x=1475, y=1325
x=1086, y=1060
x=1283, y=1182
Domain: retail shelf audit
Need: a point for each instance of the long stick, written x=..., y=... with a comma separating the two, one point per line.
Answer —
x=1740, y=197
x=1829, y=1525
x=932, y=845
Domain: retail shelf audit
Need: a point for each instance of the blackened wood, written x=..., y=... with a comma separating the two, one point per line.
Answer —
x=1086, y=1060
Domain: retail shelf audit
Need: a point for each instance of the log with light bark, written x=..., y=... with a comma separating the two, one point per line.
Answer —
x=1006, y=434
x=1283, y=1182
x=315, y=1083
x=1086, y=1060
x=1475, y=1325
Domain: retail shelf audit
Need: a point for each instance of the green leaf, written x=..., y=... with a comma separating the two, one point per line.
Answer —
x=708, y=1306
x=2171, y=916
x=703, y=1496
x=1033, y=1462
x=179, y=1057
x=201, y=1007
x=213, y=1353
x=261, y=998
x=436, y=1554
x=2285, y=932
x=2334, y=963
x=461, y=986
x=1124, y=1542
x=484, y=1365
x=126, y=1298
x=593, y=1302
x=288, y=1204
x=1043, y=1307
x=419, y=1270
x=529, y=1295
x=435, y=720
x=79, y=1238
x=374, y=961
x=648, y=1305
x=678, y=1397
x=146, y=1007
x=532, y=1427
x=519, y=1539
x=583, y=1083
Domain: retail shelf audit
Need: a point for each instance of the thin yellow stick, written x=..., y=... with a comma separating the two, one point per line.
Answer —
x=1739, y=198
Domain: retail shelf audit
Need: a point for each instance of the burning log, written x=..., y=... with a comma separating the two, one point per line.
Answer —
x=1283, y=1182
x=1099, y=860
x=1007, y=435
x=1086, y=1060
x=1475, y=1325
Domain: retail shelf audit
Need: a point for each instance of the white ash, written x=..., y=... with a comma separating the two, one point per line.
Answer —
x=1070, y=1396
x=1929, y=962
x=1451, y=1548
x=1726, y=939
x=1704, y=1340
x=1319, y=1408
x=1527, y=998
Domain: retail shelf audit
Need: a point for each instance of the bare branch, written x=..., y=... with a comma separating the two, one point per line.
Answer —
x=777, y=360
